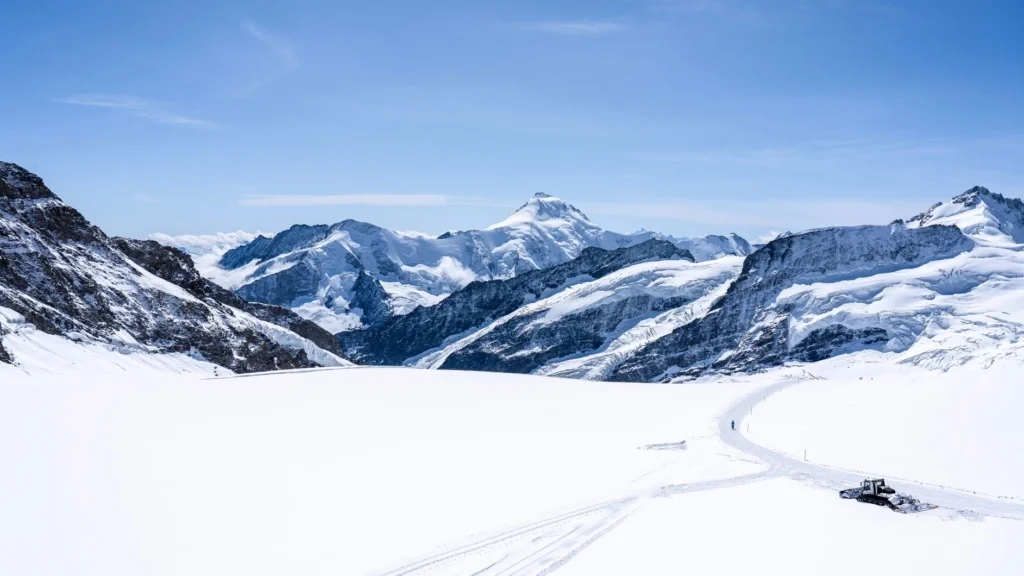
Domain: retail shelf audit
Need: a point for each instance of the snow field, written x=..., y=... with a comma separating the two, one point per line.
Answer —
x=959, y=429
x=324, y=471
x=781, y=526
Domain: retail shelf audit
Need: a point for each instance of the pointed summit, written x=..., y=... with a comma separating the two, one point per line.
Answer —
x=979, y=213
x=544, y=208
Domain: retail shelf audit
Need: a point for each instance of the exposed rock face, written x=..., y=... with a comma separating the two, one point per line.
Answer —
x=176, y=267
x=4, y=356
x=401, y=338
x=68, y=278
x=744, y=330
x=370, y=299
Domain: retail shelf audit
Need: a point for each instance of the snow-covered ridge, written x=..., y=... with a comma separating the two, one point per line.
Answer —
x=981, y=214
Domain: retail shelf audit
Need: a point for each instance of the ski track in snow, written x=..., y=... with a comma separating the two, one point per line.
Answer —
x=541, y=547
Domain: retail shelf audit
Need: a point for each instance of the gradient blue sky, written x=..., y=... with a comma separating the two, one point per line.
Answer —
x=685, y=116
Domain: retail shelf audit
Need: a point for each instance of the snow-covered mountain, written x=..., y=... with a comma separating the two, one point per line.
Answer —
x=62, y=276
x=334, y=274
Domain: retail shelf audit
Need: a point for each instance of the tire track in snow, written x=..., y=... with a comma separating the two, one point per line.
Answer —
x=837, y=478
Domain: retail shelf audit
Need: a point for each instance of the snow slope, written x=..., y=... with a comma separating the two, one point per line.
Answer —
x=987, y=217
x=906, y=422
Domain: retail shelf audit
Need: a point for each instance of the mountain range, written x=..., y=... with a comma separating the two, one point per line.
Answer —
x=545, y=291
x=352, y=275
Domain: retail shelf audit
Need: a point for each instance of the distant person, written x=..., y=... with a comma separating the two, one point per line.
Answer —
x=733, y=424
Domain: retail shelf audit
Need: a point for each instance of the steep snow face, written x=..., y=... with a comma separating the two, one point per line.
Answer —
x=586, y=330
x=748, y=329
x=984, y=216
x=65, y=277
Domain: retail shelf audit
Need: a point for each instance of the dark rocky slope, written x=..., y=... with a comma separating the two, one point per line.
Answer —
x=66, y=277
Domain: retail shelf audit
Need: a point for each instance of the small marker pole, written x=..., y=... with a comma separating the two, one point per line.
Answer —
x=805, y=454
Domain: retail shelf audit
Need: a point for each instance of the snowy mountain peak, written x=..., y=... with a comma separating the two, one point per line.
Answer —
x=984, y=215
x=541, y=208
x=970, y=197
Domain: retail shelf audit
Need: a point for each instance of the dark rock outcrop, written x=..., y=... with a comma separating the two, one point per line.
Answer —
x=176, y=267
x=371, y=299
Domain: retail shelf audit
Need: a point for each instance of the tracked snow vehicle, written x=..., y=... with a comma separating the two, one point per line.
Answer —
x=875, y=491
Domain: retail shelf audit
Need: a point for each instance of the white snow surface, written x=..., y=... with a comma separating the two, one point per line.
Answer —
x=390, y=471
x=905, y=422
x=986, y=217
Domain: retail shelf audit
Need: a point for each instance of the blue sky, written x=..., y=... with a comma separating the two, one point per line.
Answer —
x=685, y=116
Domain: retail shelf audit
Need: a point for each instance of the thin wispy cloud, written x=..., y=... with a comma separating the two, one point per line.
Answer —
x=278, y=50
x=145, y=198
x=347, y=200
x=576, y=27
x=139, y=107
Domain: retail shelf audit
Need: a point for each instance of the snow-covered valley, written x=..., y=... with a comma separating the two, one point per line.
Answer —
x=374, y=471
